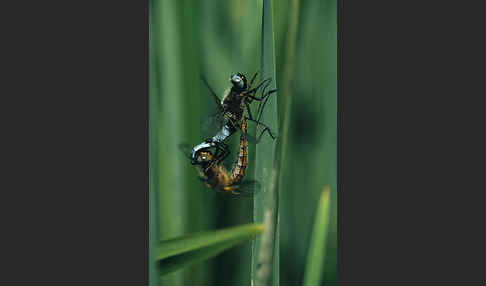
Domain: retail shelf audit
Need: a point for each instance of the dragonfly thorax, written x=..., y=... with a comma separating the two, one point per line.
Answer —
x=233, y=105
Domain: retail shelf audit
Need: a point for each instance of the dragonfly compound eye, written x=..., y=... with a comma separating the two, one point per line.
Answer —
x=237, y=81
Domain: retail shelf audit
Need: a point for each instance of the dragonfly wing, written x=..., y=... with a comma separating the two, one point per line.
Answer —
x=212, y=124
x=215, y=97
x=247, y=188
x=248, y=137
x=186, y=149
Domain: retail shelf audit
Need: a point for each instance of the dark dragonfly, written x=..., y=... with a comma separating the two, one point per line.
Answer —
x=214, y=174
x=231, y=111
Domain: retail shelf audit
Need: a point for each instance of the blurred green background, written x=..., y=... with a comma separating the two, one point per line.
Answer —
x=216, y=38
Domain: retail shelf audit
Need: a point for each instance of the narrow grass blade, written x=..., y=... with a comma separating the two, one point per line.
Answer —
x=317, y=248
x=176, y=262
x=188, y=250
x=185, y=244
x=265, y=205
x=169, y=78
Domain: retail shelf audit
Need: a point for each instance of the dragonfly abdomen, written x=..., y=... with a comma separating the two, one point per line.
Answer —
x=239, y=168
x=217, y=178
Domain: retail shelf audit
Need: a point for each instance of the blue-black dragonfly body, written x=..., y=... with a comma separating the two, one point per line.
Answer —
x=231, y=110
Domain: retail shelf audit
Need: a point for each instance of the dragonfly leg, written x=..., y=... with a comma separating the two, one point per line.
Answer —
x=260, y=108
x=260, y=105
x=264, y=95
x=254, y=90
x=218, y=157
x=267, y=128
x=248, y=109
x=254, y=98
x=269, y=133
x=253, y=78
x=223, y=148
x=259, y=99
x=215, y=97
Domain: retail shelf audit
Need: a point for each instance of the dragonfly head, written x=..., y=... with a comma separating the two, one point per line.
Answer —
x=202, y=158
x=239, y=81
x=200, y=154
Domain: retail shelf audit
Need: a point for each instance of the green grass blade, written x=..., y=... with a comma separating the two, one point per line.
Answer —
x=267, y=267
x=309, y=159
x=169, y=79
x=199, y=206
x=196, y=241
x=317, y=248
x=265, y=205
x=190, y=258
x=181, y=252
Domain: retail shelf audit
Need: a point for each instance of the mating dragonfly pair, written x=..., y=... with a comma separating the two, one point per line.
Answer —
x=233, y=113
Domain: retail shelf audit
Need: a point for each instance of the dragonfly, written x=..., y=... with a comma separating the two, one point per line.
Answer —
x=214, y=174
x=232, y=109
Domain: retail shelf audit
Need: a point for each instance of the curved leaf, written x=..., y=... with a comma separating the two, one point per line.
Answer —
x=180, y=252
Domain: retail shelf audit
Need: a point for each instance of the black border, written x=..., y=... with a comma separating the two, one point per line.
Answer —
x=76, y=85
x=406, y=108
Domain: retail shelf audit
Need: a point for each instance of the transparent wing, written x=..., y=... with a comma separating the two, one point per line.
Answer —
x=186, y=149
x=247, y=188
x=215, y=97
x=211, y=124
x=248, y=137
